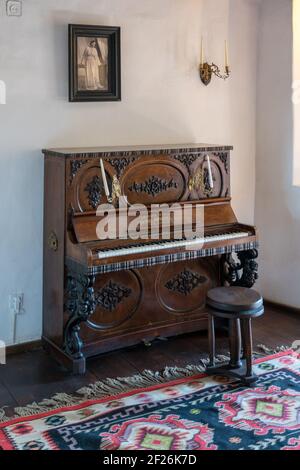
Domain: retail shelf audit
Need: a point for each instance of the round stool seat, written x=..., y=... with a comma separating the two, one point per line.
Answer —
x=239, y=300
x=239, y=305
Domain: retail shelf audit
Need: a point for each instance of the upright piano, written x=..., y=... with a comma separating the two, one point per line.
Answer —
x=102, y=295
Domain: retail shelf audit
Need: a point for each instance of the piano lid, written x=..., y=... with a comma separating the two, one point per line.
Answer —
x=134, y=149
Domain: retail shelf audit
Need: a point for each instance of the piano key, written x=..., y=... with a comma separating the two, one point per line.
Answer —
x=163, y=245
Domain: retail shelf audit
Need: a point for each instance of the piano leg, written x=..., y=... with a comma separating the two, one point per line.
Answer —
x=243, y=272
x=80, y=305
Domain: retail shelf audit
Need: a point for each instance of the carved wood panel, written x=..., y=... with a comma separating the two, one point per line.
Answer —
x=182, y=288
x=155, y=181
x=117, y=296
x=87, y=190
x=220, y=172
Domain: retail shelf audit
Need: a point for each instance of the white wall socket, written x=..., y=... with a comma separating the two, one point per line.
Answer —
x=16, y=303
x=14, y=8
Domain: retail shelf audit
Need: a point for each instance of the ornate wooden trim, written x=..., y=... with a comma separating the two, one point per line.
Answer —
x=110, y=296
x=224, y=159
x=75, y=166
x=185, y=282
x=153, y=186
x=80, y=305
x=243, y=272
x=187, y=159
x=120, y=164
x=94, y=189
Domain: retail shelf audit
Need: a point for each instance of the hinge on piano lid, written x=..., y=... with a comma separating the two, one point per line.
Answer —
x=53, y=241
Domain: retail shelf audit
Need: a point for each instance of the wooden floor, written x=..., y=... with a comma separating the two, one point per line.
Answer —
x=32, y=376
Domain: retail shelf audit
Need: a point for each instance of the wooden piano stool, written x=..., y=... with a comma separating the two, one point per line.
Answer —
x=102, y=295
x=238, y=305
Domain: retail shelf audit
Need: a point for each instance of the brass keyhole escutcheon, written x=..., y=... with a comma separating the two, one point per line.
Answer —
x=53, y=241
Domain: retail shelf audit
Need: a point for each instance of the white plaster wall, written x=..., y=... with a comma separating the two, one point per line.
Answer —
x=277, y=211
x=163, y=102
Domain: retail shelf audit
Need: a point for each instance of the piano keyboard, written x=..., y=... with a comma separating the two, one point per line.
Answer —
x=164, y=245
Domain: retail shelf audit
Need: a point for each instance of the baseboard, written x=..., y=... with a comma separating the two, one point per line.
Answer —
x=281, y=307
x=23, y=347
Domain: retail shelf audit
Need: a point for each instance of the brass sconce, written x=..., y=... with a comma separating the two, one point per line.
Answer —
x=208, y=70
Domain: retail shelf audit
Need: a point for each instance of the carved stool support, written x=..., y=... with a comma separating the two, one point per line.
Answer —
x=239, y=305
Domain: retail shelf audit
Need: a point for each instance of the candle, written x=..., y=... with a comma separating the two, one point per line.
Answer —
x=107, y=193
x=202, y=52
x=226, y=56
x=210, y=177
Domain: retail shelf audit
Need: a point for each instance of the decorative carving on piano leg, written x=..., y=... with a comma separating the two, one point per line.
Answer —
x=241, y=272
x=111, y=295
x=153, y=186
x=185, y=282
x=80, y=305
x=75, y=166
x=94, y=189
x=120, y=164
x=224, y=159
x=187, y=159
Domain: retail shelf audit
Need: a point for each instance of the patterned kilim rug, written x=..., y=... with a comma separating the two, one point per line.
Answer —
x=190, y=413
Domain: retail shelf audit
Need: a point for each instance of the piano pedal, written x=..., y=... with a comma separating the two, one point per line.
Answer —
x=146, y=343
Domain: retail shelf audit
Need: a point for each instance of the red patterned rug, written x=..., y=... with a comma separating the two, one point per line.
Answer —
x=191, y=413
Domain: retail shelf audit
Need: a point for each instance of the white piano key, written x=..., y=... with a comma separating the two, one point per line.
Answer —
x=188, y=244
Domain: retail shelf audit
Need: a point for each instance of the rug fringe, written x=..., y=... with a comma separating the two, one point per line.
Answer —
x=145, y=379
x=112, y=387
x=109, y=387
x=267, y=351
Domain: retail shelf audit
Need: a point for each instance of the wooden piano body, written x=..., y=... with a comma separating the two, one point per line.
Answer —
x=93, y=304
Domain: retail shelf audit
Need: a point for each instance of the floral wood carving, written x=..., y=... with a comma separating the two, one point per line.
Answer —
x=120, y=164
x=75, y=167
x=111, y=295
x=185, y=282
x=153, y=186
x=243, y=271
x=187, y=159
x=224, y=159
x=94, y=189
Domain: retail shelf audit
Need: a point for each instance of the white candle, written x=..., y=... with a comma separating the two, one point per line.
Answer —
x=210, y=177
x=226, y=55
x=202, y=52
x=107, y=193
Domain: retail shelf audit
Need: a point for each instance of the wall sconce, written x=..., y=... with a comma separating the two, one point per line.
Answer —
x=208, y=70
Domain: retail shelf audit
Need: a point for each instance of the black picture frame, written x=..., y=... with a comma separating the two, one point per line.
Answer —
x=111, y=37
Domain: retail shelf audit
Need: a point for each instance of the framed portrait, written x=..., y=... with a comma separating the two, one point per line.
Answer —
x=94, y=63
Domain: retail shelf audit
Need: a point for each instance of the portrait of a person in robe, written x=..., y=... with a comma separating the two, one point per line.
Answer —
x=92, y=64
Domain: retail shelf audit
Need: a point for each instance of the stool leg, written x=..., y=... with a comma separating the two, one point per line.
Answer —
x=235, y=343
x=211, y=340
x=247, y=344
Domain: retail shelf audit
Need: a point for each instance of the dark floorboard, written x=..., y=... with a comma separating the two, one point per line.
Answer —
x=32, y=376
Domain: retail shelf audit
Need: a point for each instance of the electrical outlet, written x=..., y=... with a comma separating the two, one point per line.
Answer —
x=16, y=303
x=14, y=8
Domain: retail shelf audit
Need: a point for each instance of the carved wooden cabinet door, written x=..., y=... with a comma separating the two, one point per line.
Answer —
x=155, y=181
x=181, y=288
x=118, y=297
